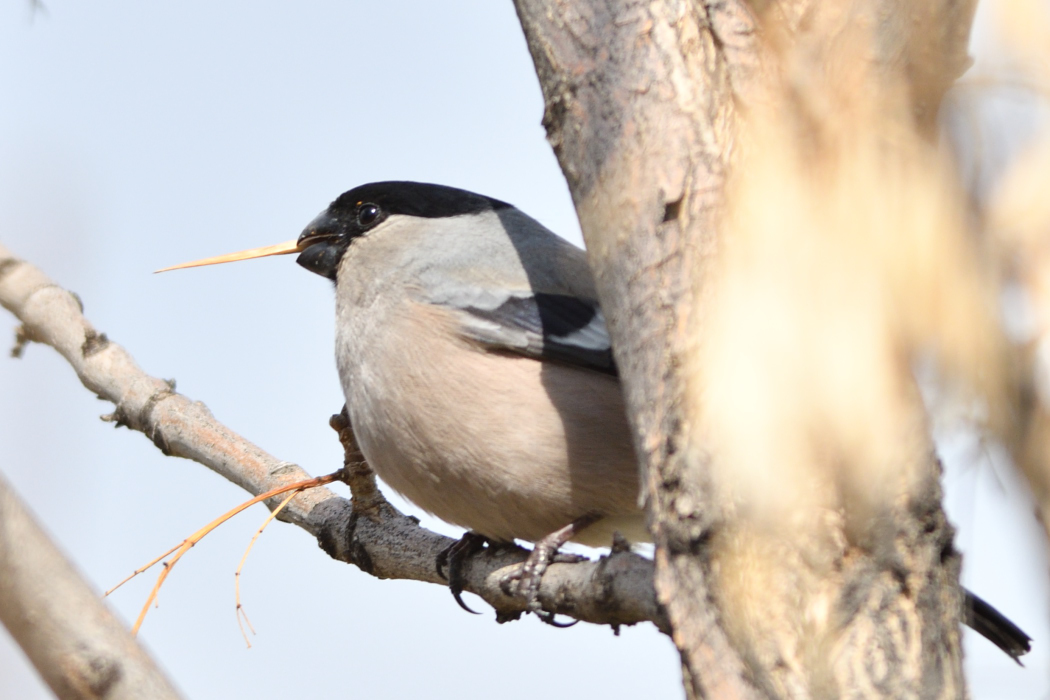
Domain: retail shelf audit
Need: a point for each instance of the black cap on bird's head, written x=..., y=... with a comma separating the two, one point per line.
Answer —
x=357, y=212
x=365, y=208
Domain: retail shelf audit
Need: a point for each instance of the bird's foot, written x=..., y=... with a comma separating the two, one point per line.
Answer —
x=525, y=580
x=453, y=557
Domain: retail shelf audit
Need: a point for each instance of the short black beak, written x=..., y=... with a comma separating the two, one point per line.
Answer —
x=323, y=242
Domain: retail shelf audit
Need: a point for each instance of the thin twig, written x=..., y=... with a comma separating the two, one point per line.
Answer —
x=142, y=570
x=237, y=574
x=197, y=536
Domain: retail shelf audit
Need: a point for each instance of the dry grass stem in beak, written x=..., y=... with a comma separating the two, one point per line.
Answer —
x=285, y=248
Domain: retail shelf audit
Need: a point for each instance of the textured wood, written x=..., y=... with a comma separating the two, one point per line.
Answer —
x=640, y=112
x=644, y=104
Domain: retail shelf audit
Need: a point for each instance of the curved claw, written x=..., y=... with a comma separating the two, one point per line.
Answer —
x=453, y=557
x=548, y=618
x=456, y=595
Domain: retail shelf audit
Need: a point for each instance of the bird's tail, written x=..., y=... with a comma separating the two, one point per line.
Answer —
x=993, y=626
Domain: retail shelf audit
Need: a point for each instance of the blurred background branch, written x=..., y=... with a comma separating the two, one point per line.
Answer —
x=75, y=643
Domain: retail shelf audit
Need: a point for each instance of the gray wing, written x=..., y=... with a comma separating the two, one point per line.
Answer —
x=550, y=327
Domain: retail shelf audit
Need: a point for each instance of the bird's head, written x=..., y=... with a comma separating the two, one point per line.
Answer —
x=360, y=212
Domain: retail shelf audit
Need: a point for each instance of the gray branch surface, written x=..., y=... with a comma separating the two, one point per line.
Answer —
x=367, y=532
x=76, y=644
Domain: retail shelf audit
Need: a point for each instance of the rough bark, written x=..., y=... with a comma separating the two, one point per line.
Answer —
x=644, y=105
x=75, y=643
x=639, y=111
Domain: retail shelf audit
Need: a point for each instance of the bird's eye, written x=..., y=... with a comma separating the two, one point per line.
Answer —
x=367, y=214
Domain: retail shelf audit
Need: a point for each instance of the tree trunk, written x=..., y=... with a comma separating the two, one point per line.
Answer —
x=645, y=110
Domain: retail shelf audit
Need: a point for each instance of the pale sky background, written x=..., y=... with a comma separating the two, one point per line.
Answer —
x=136, y=135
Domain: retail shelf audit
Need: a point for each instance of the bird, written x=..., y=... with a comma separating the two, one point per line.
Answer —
x=479, y=376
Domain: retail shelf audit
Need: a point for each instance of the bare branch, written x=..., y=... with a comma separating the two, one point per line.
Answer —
x=368, y=532
x=177, y=425
x=76, y=644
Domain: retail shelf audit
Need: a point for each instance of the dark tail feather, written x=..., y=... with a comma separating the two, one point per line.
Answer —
x=993, y=626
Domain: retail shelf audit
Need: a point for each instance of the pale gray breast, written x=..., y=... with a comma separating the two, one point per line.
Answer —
x=506, y=446
x=510, y=447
